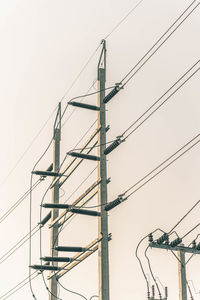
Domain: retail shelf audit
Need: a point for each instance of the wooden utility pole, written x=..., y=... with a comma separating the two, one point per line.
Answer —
x=182, y=276
x=55, y=199
x=103, y=256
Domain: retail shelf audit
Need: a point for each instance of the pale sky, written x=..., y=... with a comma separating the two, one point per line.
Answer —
x=44, y=46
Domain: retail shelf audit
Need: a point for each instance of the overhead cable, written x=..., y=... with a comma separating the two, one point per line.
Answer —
x=150, y=269
x=165, y=164
x=19, y=244
x=161, y=97
x=19, y=286
x=121, y=85
x=157, y=42
x=17, y=203
x=165, y=161
x=123, y=19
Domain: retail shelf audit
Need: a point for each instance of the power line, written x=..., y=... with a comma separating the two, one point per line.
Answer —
x=188, y=212
x=190, y=231
x=162, y=103
x=27, y=149
x=20, y=243
x=123, y=19
x=165, y=93
x=18, y=287
x=161, y=164
x=150, y=269
x=140, y=262
x=73, y=111
x=158, y=42
x=19, y=201
x=152, y=106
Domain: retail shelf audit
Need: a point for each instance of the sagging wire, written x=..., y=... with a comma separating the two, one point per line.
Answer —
x=163, y=42
x=30, y=212
x=122, y=137
x=140, y=262
x=150, y=269
x=18, y=287
x=20, y=243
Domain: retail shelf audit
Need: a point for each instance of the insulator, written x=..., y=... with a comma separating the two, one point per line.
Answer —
x=153, y=291
x=166, y=292
x=110, y=236
x=114, y=203
x=108, y=180
x=198, y=246
x=57, y=259
x=111, y=94
x=45, y=267
x=84, y=156
x=194, y=245
x=46, y=173
x=46, y=219
x=50, y=168
x=56, y=205
x=163, y=238
x=150, y=237
x=84, y=105
x=175, y=242
x=70, y=249
x=85, y=212
x=112, y=146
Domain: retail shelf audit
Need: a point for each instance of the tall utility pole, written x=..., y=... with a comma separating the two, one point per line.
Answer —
x=182, y=275
x=102, y=175
x=55, y=200
x=99, y=187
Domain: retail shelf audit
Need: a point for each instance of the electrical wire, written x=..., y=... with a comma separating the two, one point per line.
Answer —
x=189, y=289
x=27, y=149
x=75, y=108
x=150, y=269
x=193, y=286
x=160, y=171
x=48, y=290
x=20, y=243
x=187, y=213
x=140, y=262
x=19, y=201
x=157, y=108
x=190, y=231
x=70, y=291
x=123, y=19
x=7, y=294
x=46, y=122
x=161, y=164
x=160, y=98
x=162, y=103
x=30, y=213
x=158, y=42
x=85, y=95
x=95, y=296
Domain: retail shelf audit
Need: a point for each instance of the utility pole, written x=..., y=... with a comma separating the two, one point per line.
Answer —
x=55, y=199
x=182, y=275
x=103, y=254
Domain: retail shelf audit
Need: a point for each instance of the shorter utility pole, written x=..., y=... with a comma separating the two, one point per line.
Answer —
x=182, y=275
x=163, y=243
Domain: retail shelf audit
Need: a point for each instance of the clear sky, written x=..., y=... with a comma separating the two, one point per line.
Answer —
x=44, y=46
